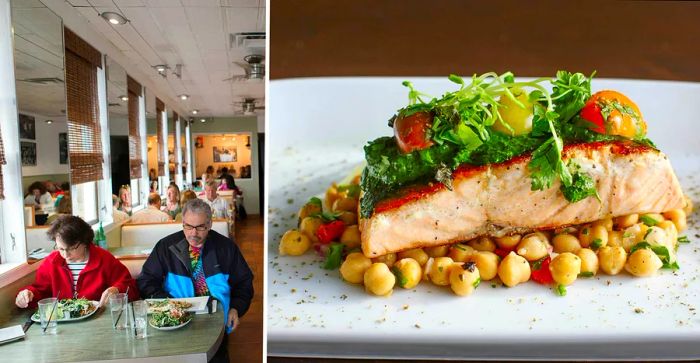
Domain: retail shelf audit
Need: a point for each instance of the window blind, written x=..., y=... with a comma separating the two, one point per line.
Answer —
x=175, y=118
x=2, y=162
x=135, y=161
x=84, y=142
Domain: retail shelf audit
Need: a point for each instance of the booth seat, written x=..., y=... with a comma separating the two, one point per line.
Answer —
x=148, y=234
x=37, y=238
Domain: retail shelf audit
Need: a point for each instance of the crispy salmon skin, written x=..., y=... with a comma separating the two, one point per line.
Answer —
x=497, y=200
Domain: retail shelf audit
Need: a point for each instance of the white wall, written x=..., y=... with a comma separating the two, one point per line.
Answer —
x=47, y=161
x=118, y=125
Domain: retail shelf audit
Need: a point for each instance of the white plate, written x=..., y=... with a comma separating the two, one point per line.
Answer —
x=37, y=319
x=166, y=328
x=199, y=304
x=317, y=129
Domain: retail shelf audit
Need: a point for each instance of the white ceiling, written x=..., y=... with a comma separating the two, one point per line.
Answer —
x=194, y=33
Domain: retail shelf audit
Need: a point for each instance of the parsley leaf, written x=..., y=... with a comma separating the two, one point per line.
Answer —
x=334, y=256
x=400, y=278
x=327, y=216
x=546, y=164
x=586, y=274
x=683, y=239
x=560, y=290
x=649, y=221
x=582, y=186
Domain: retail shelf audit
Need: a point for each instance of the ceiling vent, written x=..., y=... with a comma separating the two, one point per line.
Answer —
x=248, y=40
x=45, y=80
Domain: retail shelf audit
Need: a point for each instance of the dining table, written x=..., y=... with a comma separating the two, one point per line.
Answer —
x=94, y=339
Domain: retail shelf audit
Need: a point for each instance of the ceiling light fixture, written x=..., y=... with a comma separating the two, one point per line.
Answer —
x=124, y=98
x=202, y=120
x=114, y=18
x=161, y=68
x=49, y=122
x=194, y=112
x=184, y=96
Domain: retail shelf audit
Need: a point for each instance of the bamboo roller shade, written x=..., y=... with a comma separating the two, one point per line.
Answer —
x=84, y=142
x=160, y=107
x=135, y=161
x=175, y=118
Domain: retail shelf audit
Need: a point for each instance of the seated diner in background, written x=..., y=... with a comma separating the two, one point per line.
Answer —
x=125, y=199
x=117, y=215
x=220, y=207
x=38, y=196
x=187, y=195
x=77, y=268
x=172, y=201
x=198, y=261
x=152, y=212
x=208, y=175
x=65, y=207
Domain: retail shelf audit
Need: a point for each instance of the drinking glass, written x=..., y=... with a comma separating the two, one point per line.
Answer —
x=139, y=318
x=117, y=305
x=49, y=320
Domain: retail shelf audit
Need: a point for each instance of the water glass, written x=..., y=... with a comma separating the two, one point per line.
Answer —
x=117, y=306
x=49, y=315
x=139, y=317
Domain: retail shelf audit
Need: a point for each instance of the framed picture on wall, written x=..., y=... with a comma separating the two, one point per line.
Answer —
x=199, y=142
x=223, y=154
x=28, y=151
x=63, y=148
x=27, y=127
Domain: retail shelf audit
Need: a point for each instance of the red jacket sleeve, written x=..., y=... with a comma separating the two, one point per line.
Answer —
x=41, y=288
x=120, y=278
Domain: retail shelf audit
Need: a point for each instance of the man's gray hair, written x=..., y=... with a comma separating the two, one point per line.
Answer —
x=197, y=206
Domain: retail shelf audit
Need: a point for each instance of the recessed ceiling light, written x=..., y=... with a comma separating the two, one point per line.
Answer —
x=184, y=96
x=114, y=18
x=203, y=120
x=49, y=122
x=124, y=98
x=160, y=68
x=194, y=112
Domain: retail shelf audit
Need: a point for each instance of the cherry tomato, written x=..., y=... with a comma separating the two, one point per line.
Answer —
x=330, y=231
x=411, y=131
x=542, y=275
x=518, y=118
x=612, y=113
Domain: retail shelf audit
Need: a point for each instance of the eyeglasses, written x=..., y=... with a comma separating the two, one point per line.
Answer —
x=66, y=250
x=199, y=228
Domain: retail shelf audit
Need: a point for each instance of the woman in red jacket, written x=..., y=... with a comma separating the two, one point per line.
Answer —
x=77, y=268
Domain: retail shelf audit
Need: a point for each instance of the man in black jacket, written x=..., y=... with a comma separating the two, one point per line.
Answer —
x=199, y=262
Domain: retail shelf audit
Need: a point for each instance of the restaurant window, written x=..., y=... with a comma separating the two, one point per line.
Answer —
x=135, y=92
x=84, y=139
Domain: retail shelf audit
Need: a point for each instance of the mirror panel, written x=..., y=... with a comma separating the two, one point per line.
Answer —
x=231, y=151
x=151, y=140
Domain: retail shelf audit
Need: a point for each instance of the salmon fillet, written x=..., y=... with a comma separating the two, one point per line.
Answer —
x=496, y=200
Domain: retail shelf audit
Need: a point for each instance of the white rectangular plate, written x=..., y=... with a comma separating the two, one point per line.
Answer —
x=317, y=130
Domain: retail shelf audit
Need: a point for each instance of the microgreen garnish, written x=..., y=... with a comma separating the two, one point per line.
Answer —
x=649, y=221
x=683, y=239
x=327, y=216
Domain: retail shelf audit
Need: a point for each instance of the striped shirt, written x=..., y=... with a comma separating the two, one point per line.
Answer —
x=75, y=269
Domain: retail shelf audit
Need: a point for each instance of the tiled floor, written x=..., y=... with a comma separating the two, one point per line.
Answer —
x=246, y=343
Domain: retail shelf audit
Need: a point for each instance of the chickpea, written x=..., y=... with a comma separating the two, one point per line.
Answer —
x=294, y=243
x=389, y=259
x=611, y=259
x=589, y=260
x=508, y=242
x=408, y=273
x=460, y=252
x=678, y=217
x=332, y=194
x=349, y=218
x=353, y=268
x=623, y=222
x=688, y=207
x=615, y=238
x=513, y=270
x=584, y=236
x=671, y=231
x=417, y=254
x=309, y=209
x=487, y=262
x=599, y=237
x=345, y=204
x=633, y=235
x=533, y=247
x=464, y=278
x=351, y=237
x=439, y=272
x=656, y=236
x=607, y=223
x=379, y=280
x=482, y=244
x=437, y=251
x=565, y=268
x=566, y=243
x=309, y=226
x=643, y=262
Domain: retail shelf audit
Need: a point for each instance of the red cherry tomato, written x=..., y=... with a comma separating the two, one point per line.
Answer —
x=411, y=131
x=330, y=231
x=542, y=275
x=591, y=113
